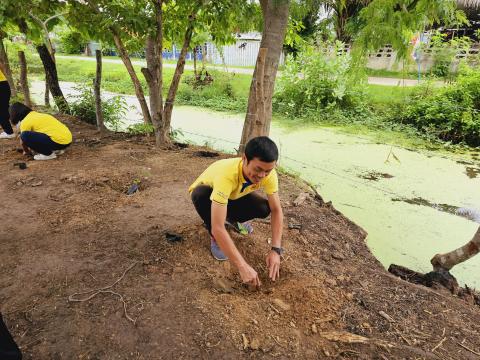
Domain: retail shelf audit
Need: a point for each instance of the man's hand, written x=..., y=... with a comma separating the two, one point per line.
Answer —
x=273, y=265
x=249, y=275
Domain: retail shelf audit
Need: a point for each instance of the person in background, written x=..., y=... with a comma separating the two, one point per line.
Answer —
x=4, y=103
x=40, y=132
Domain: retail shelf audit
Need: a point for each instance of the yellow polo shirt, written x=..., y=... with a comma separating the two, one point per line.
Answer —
x=2, y=76
x=48, y=125
x=226, y=179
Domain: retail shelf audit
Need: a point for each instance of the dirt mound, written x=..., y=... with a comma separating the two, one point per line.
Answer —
x=69, y=227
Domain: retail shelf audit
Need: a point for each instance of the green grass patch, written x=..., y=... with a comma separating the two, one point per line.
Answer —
x=384, y=95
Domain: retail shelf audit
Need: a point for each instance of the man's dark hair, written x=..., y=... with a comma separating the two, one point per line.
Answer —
x=18, y=111
x=262, y=148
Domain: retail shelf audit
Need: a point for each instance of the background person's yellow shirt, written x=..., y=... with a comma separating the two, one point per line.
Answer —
x=48, y=125
x=226, y=179
x=2, y=76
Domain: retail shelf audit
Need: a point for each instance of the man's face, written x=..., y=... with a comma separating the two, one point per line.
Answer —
x=255, y=170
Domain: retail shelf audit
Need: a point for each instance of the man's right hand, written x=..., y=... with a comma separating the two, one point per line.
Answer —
x=249, y=275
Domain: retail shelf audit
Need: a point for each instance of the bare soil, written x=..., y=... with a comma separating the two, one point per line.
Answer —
x=69, y=227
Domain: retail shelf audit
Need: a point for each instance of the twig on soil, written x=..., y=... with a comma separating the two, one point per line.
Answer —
x=466, y=348
x=439, y=344
x=95, y=292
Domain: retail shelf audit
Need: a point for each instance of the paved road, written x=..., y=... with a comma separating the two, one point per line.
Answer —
x=248, y=71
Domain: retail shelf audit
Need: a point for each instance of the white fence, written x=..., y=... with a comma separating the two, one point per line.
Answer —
x=242, y=53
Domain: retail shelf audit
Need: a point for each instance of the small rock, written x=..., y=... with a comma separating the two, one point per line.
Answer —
x=104, y=179
x=308, y=254
x=349, y=296
x=341, y=278
x=300, y=199
x=179, y=269
x=292, y=324
x=314, y=329
x=255, y=344
x=19, y=183
x=37, y=183
x=281, y=304
x=255, y=321
x=326, y=353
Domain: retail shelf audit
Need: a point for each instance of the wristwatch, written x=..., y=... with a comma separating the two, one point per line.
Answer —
x=278, y=250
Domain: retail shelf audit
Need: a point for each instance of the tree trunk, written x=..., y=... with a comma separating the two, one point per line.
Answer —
x=164, y=137
x=6, y=68
x=275, y=18
x=52, y=79
x=449, y=260
x=133, y=75
x=154, y=71
x=96, y=89
x=195, y=63
x=23, y=79
x=47, y=92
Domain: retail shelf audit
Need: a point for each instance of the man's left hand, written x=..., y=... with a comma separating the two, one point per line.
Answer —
x=273, y=265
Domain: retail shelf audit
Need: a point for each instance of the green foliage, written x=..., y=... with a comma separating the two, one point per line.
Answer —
x=34, y=65
x=445, y=51
x=72, y=42
x=320, y=81
x=141, y=129
x=451, y=113
x=113, y=109
x=396, y=21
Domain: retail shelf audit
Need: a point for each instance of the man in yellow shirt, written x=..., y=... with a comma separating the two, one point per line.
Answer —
x=4, y=103
x=40, y=132
x=227, y=192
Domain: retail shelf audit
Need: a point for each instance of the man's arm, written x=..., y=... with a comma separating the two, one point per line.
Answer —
x=273, y=259
x=225, y=242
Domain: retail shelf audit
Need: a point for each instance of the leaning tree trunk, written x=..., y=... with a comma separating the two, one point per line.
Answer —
x=449, y=260
x=259, y=108
x=164, y=136
x=7, y=69
x=52, y=78
x=96, y=89
x=23, y=79
x=133, y=75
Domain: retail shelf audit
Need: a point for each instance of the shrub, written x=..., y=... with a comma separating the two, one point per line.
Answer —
x=113, y=109
x=320, y=81
x=451, y=113
x=72, y=42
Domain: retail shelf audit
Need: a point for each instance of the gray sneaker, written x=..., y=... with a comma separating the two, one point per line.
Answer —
x=216, y=251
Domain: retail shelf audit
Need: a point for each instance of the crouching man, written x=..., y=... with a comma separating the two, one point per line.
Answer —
x=227, y=193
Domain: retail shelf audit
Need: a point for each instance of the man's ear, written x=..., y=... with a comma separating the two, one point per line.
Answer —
x=244, y=158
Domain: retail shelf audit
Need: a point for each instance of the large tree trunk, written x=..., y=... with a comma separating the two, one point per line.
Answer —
x=6, y=68
x=154, y=72
x=164, y=137
x=133, y=75
x=275, y=18
x=23, y=79
x=96, y=89
x=52, y=79
x=449, y=260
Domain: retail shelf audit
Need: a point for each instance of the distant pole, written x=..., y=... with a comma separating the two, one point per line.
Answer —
x=23, y=79
x=96, y=89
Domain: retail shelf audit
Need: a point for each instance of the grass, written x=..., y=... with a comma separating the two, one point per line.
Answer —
x=385, y=95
